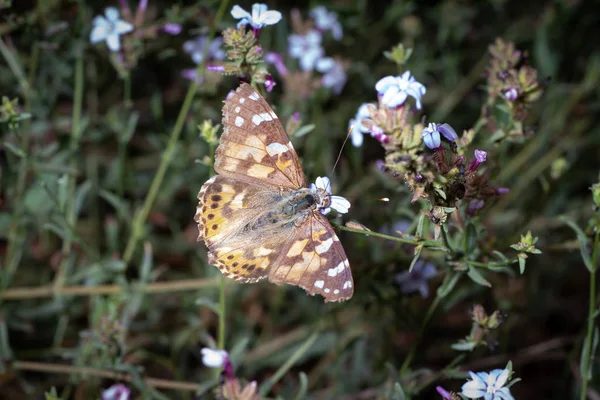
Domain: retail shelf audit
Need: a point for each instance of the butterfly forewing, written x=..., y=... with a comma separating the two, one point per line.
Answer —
x=254, y=216
x=254, y=145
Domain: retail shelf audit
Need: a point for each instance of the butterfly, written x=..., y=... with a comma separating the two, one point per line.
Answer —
x=258, y=217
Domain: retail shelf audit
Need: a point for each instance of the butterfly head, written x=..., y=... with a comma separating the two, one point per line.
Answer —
x=321, y=198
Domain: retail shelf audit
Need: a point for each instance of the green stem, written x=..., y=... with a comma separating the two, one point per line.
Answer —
x=15, y=237
x=221, y=337
x=127, y=91
x=73, y=147
x=424, y=243
x=586, y=353
x=440, y=374
x=424, y=323
x=445, y=238
x=140, y=219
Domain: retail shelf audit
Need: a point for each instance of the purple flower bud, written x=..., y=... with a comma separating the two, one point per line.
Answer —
x=172, y=28
x=511, y=94
x=502, y=190
x=277, y=60
x=480, y=155
x=124, y=5
x=216, y=68
x=296, y=117
x=474, y=205
x=258, y=49
x=269, y=83
x=142, y=6
x=445, y=395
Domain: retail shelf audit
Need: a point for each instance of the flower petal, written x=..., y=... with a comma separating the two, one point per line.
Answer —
x=323, y=182
x=270, y=17
x=113, y=42
x=504, y=394
x=122, y=27
x=213, y=358
x=384, y=83
x=472, y=390
x=112, y=14
x=447, y=131
x=340, y=204
x=238, y=12
x=98, y=33
x=357, y=137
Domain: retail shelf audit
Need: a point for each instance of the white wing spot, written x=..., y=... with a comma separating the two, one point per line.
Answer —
x=262, y=251
x=266, y=116
x=239, y=121
x=324, y=246
x=273, y=114
x=336, y=270
x=254, y=96
x=237, y=109
x=347, y=285
x=320, y=284
x=336, y=291
x=257, y=119
x=242, y=100
x=276, y=148
x=327, y=290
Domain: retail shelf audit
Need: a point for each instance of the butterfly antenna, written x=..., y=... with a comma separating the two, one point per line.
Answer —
x=343, y=144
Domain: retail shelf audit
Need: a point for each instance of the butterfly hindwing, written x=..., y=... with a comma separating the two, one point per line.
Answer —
x=315, y=260
x=254, y=145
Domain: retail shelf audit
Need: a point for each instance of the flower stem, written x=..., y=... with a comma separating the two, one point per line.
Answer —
x=73, y=147
x=413, y=349
x=586, y=353
x=137, y=231
x=425, y=243
x=221, y=338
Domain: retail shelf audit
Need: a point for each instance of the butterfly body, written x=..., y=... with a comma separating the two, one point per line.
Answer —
x=257, y=216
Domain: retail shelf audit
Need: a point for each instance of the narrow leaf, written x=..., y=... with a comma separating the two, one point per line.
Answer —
x=476, y=277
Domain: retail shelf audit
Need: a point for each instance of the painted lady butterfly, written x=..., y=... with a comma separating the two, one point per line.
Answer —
x=257, y=216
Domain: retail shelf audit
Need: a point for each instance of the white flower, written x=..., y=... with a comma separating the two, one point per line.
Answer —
x=334, y=74
x=260, y=16
x=109, y=29
x=395, y=90
x=116, y=392
x=214, y=358
x=306, y=48
x=359, y=129
x=489, y=386
x=327, y=21
x=338, y=203
x=195, y=48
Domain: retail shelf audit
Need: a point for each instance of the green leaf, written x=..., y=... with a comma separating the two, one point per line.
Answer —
x=420, y=224
x=398, y=392
x=470, y=239
x=208, y=303
x=583, y=242
x=418, y=250
x=17, y=151
x=463, y=346
x=304, y=130
x=448, y=284
x=522, y=261
x=80, y=195
x=120, y=205
x=476, y=277
x=303, y=386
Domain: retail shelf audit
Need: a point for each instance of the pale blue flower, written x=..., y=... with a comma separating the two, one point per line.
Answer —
x=327, y=21
x=260, y=16
x=116, y=392
x=416, y=280
x=338, y=203
x=334, y=74
x=109, y=29
x=306, y=48
x=394, y=90
x=195, y=48
x=488, y=386
x=358, y=128
x=431, y=134
x=172, y=28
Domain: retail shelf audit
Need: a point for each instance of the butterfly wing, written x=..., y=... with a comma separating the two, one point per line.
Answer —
x=254, y=146
x=315, y=260
x=247, y=248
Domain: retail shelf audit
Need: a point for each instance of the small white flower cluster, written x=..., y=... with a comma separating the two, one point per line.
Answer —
x=109, y=28
x=338, y=203
x=307, y=49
